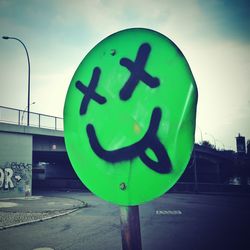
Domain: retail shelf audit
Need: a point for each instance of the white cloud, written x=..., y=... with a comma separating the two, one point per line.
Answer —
x=220, y=66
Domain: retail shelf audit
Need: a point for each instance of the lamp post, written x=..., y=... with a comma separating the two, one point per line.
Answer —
x=14, y=38
x=200, y=134
x=213, y=138
x=221, y=143
x=24, y=112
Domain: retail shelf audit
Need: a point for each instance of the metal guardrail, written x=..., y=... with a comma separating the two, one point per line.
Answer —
x=19, y=117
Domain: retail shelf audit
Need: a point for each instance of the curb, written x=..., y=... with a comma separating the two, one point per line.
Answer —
x=44, y=219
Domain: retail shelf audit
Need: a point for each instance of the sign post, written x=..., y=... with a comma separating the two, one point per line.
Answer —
x=130, y=228
x=129, y=121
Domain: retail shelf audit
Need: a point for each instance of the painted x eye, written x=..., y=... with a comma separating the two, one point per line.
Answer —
x=89, y=91
x=138, y=73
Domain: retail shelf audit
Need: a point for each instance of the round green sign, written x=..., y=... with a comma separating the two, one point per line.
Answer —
x=129, y=117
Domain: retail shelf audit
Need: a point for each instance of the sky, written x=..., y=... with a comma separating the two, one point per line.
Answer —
x=213, y=35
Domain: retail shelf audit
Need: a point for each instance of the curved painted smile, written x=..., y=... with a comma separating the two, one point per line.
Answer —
x=150, y=140
x=138, y=149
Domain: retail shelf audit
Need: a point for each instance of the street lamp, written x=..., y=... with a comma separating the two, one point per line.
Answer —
x=213, y=138
x=14, y=38
x=200, y=134
x=221, y=143
x=24, y=112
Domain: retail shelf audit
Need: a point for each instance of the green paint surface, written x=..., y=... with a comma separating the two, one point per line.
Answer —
x=121, y=123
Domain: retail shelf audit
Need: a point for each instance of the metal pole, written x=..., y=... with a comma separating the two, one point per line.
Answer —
x=23, y=115
x=130, y=228
x=200, y=134
x=18, y=117
x=14, y=38
x=223, y=145
x=213, y=138
x=39, y=120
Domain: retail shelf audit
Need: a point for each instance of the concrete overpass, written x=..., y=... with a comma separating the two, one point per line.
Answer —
x=35, y=156
x=24, y=150
x=30, y=154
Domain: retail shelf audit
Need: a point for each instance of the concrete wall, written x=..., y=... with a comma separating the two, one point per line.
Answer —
x=15, y=164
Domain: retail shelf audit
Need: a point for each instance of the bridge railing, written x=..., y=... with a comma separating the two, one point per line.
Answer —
x=19, y=117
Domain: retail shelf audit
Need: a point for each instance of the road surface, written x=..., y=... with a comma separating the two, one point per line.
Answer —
x=172, y=222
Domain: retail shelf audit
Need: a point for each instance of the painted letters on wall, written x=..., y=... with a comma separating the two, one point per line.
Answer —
x=15, y=164
x=16, y=176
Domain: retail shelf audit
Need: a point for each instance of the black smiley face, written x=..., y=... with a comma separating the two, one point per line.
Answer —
x=150, y=139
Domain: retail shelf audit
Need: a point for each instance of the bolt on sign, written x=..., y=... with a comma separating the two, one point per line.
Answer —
x=129, y=117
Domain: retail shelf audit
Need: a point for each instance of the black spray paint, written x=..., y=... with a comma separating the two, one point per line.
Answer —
x=138, y=149
x=137, y=72
x=150, y=139
x=89, y=92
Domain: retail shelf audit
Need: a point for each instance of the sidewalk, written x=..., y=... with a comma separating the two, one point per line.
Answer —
x=21, y=211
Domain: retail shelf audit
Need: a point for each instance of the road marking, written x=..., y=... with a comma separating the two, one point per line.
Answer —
x=43, y=248
x=168, y=212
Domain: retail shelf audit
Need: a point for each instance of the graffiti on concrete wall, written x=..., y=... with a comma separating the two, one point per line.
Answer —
x=16, y=175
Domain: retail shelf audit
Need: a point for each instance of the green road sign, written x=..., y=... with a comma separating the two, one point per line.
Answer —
x=129, y=117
